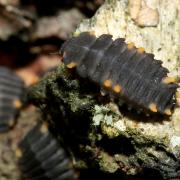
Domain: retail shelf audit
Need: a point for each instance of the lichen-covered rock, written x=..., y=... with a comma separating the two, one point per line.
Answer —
x=99, y=134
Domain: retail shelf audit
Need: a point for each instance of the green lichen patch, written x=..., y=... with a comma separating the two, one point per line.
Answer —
x=105, y=115
x=107, y=163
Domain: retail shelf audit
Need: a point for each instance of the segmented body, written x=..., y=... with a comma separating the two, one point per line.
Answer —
x=11, y=95
x=41, y=157
x=124, y=71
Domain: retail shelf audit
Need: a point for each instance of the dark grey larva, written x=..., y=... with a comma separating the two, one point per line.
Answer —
x=42, y=158
x=11, y=97
x=127, y=73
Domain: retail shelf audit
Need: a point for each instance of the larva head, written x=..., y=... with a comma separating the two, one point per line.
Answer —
x=65, y=46
x=74, y=49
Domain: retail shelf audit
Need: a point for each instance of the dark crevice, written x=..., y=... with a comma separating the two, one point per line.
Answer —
x=90, y=174
x=118, y=145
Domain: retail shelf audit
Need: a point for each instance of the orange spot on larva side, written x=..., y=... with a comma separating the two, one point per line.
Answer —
x=168, y=80
x=107, y=83
x=117, y=88
x=18, y=153
x=44, y=127
x=92, y=33
x=130, y=45
x=17, y=104
x=35, y=80
x=140, y=50
x=153, y=107
x=71, y=65
x=178, y=94
x=167, y=112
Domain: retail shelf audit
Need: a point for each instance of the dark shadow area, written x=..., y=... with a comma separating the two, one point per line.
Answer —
x=146, y=117
x=17, y=53
x=149, y=174
x=49, y=7
x=118, y=145
x=95, y=174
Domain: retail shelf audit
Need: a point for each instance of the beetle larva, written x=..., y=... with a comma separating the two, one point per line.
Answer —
x=124, y=71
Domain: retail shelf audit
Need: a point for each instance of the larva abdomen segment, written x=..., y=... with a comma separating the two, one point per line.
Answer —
x=126, y=72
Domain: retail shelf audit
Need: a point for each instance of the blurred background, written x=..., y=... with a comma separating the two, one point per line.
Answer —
x=31, y=33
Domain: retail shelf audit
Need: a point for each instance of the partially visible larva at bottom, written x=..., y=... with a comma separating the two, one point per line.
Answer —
x=12, y=91
x=41, y=157
x=124, y=72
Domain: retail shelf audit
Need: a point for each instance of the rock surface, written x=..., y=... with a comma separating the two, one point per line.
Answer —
x=101, y=135
x=57, y=25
